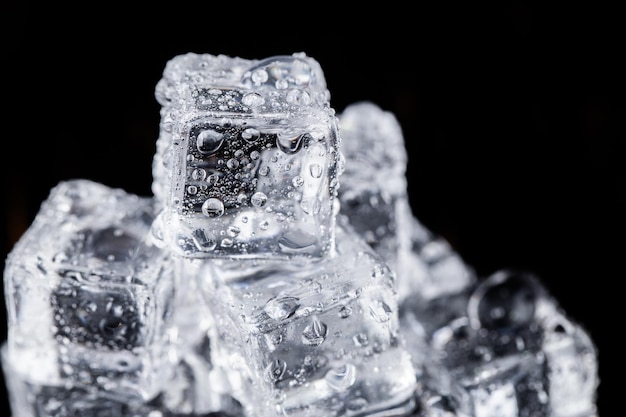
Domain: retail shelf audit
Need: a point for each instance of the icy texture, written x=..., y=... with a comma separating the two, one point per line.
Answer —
x=246, y=157
x=278, y=270
x=374, y=198
x=312, y=339
x=502, y=348
x=87, y=296
x=94, y=307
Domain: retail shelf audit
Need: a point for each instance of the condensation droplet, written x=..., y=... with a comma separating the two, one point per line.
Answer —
x=345, y=312
x=264, y=171
x=314, y=333
x=209, y=141
x=341, y=378
x=198, y=174
x=252, y=99
x=258, y=199
x=315, y=170
x=232, y=163
x=291, y=143
x=380, y=311
x=297, y=181
x=360, y=339
x=281, y=308
x=259, y=76
x=275, y=370
x=254, y=155
x=250, y=134
x=213, y=207
x=192, y=189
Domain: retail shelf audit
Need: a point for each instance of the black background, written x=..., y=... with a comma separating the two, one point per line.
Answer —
x=511, y=113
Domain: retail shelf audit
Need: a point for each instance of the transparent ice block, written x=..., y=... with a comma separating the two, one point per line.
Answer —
x=246, y=157
x=87, y=296
x=314, y=338
x=504, y=348
x=374, y=198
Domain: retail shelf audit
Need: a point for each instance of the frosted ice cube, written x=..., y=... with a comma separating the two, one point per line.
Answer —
x=373, y=196
x=87, y=296
x=246, y=157
x=504, y=349
x=311, y=338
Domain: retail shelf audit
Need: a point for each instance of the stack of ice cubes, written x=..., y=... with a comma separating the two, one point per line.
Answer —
x=277, y=270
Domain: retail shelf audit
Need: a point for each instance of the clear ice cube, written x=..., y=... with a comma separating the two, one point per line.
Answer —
x=311, y=338
x=503, y=348
x=87, y=296
x=373, y=196
x=246, y=157
x=253, y=285
x=31, y=399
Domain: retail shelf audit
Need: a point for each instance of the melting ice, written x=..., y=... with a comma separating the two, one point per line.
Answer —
x=277, y=270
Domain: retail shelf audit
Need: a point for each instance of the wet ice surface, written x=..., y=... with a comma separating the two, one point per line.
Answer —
x=277, y=270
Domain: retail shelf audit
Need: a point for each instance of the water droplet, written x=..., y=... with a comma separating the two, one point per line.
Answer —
x=259, y=76
x=360, y=339
x=250, y=134
x=233, y=231
x=232, y=163
x=213, y=207
x=281, y=308
x=298, y=97
x=258, y=199
x=209, y=141
x=264, y=171
x=297, y=181
x=315, y=170
x=380, y=311
x=202, y=241
x=254, y=155
x=345, y=312
x=314, y=333
x=192, y=189
x=198, y=174
x=252, y=99
x=291, y=143
x=275, y=370
x=341, y=378
x=505, y=300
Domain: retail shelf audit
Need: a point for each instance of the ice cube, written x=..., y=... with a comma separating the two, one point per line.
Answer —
x=311, y=338
x=29, y=399
x=373, y=196
x=87, y=295
x=246, y=161
x=503, y=348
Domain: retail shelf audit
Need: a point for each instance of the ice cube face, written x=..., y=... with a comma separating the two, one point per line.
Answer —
x=495, y=347
x=87, y=295
x=374, y=198
x=312, y=339
x=246, y=162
